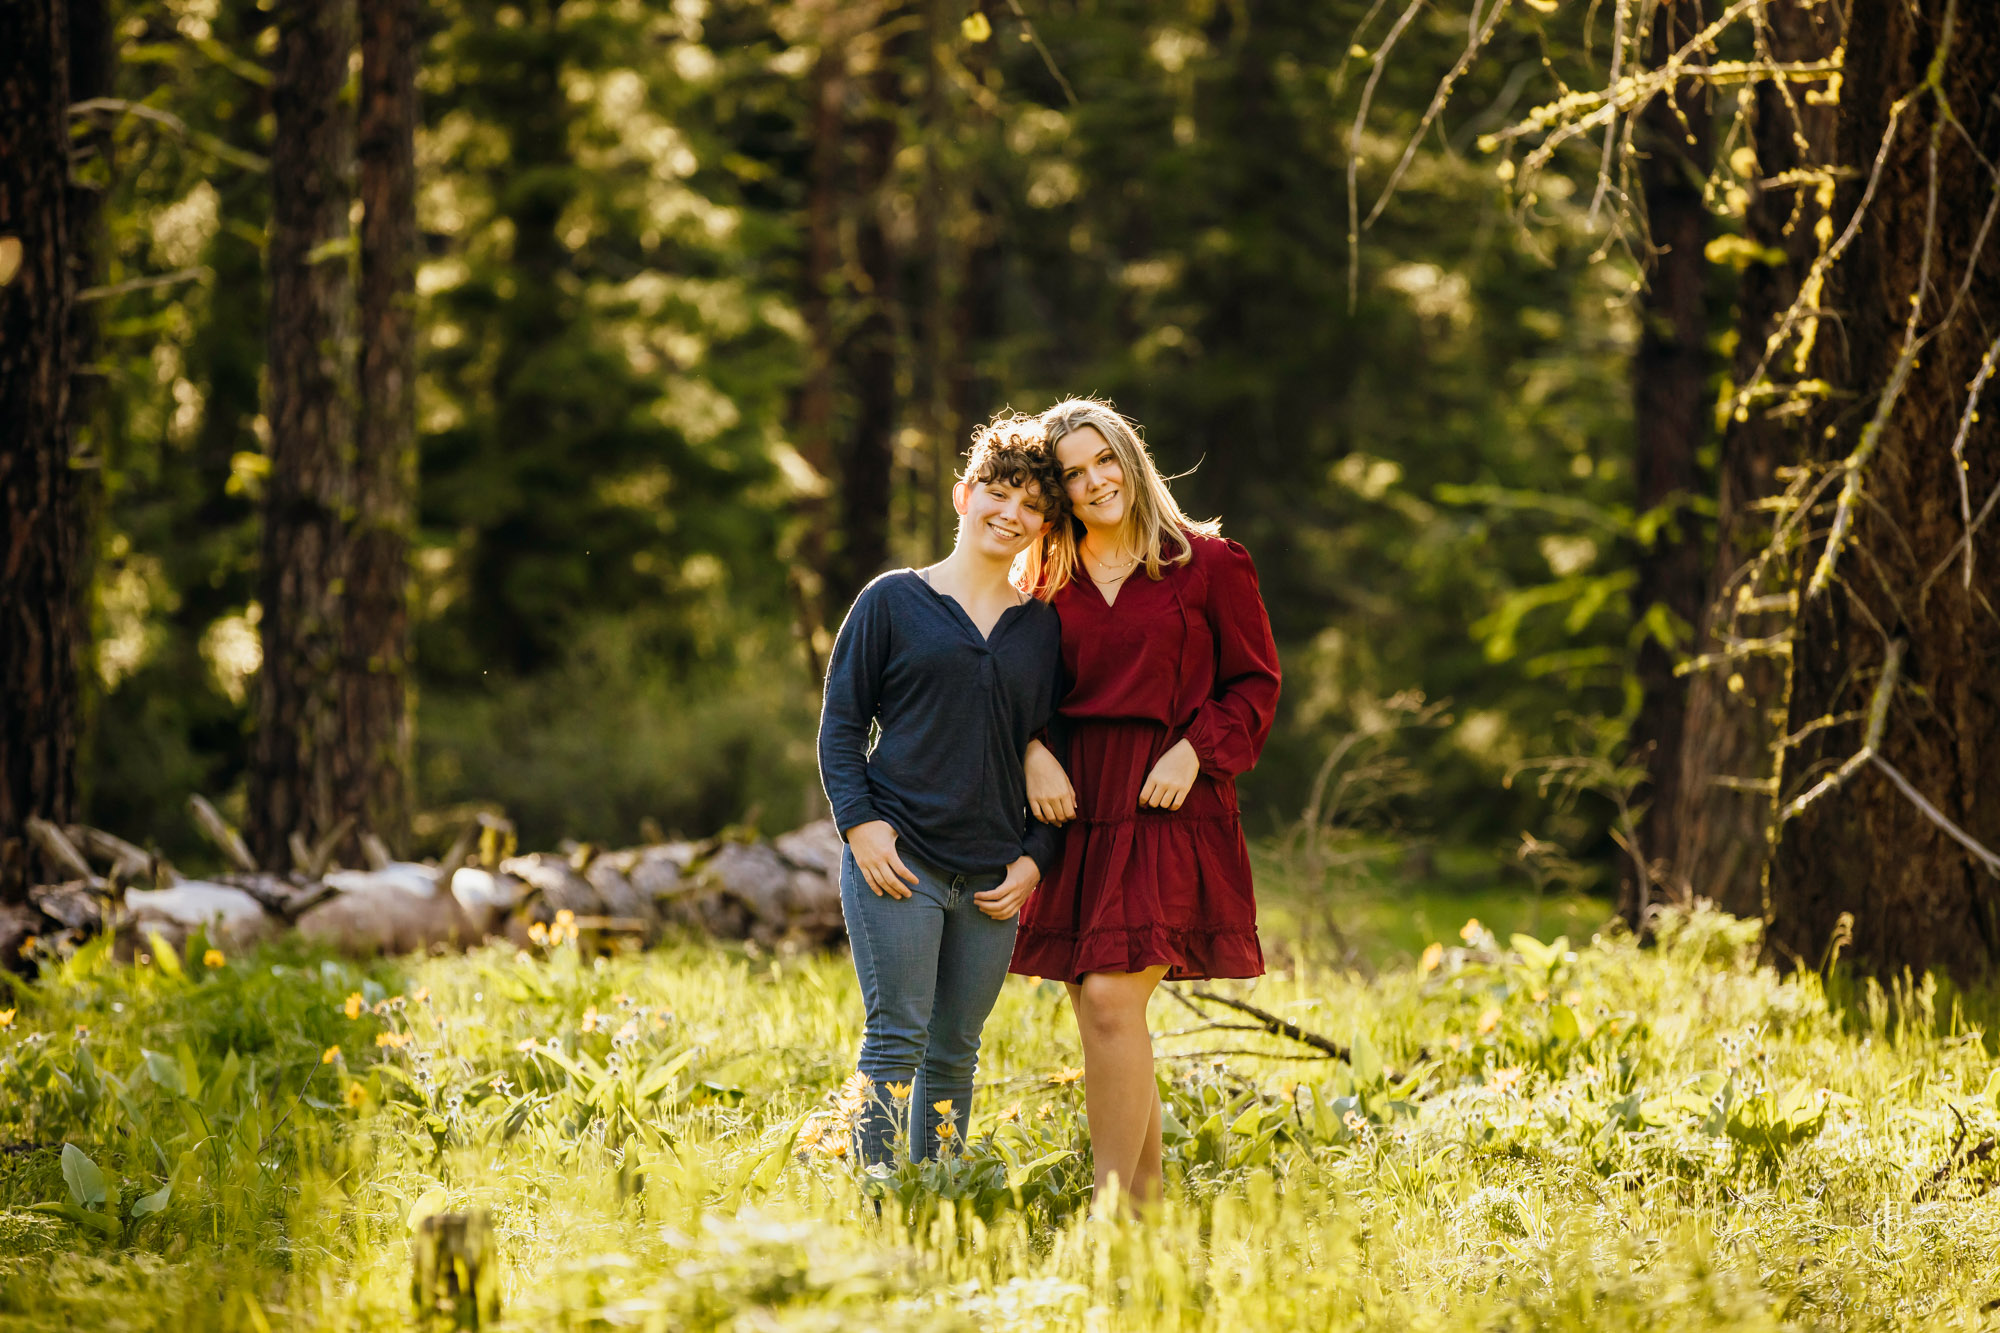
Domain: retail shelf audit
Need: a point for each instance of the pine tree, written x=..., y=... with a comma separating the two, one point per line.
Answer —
x=41, y=625
x=298, y=769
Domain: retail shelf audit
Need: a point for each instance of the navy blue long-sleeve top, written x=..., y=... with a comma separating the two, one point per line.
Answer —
x=955, y=713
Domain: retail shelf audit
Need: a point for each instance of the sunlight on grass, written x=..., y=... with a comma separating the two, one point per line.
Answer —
x=1556, y=1135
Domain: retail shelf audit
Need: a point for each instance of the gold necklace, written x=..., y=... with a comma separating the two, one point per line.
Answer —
x=1106, y=564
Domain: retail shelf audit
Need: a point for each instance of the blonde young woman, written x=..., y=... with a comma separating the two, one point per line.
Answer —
x=1172, y=685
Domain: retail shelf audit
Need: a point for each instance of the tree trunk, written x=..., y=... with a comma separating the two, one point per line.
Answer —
x=1670, y=414
x=868, y=355
x=1734, y=705
x=41, y=626
x=376, y=685
x=811, y=571
x=1902, y=613
x=299, y=764
x=937, y=258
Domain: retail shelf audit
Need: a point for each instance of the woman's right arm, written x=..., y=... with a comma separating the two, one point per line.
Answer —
x=853, y=696
x=1050, y=795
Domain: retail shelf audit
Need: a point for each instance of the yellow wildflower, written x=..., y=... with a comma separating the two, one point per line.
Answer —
x=942, y=1107
x=355, y=1094
x=423, y=995
x=395, y=1041
x=538, y=933
x=1503, y=1080
x=525, y=1045
x=1488, y=1021
x=946, y=1129
x=900, y=1091
x=1471, y=930
x=353, y=1006
x=6, y=1019
x=213, y=959
x=1011, y=1114
x=621, y=999
x=835, y=1145
x=331, y=1054
x=809, y=1134
x=1288, y=1088
x=1538, y=996
x=1573, y=998
x=1433, y=955
x=590, y=1019
x=565, y=918
x=1066, y=1076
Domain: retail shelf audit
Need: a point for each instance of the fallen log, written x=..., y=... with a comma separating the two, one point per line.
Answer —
x=780, y=892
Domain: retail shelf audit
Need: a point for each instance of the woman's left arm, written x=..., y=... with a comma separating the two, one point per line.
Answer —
x=1230, y=726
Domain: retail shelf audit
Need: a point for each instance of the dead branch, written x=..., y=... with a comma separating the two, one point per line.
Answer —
x=217, y=830
x=58, y=848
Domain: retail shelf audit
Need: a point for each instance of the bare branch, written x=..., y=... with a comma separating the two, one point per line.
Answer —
x=1985, y=856
x=1381, y=62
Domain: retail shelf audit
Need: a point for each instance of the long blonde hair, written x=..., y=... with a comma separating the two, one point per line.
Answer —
x=1152, y=518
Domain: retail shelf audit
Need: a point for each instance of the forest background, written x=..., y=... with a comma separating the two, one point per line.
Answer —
x=708, y=296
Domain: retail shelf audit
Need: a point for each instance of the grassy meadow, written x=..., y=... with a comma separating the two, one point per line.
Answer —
x=1575, y=1133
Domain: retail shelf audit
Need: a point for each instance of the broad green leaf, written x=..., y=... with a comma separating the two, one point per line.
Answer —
x=1563, y=1024
x=85, y=1181
x=97, y=1222
x=164, y=956
x=148, y=1204
x=1361, y=1057
x=431, y=1201
x=660, y=1076
x=163, y=1071
x=1020, y=1175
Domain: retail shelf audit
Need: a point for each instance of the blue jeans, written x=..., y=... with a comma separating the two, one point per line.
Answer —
x=930, y=967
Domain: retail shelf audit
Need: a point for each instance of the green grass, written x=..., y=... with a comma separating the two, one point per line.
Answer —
x=1585, y=1136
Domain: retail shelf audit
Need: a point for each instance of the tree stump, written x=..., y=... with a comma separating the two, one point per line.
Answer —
x=455, y=1273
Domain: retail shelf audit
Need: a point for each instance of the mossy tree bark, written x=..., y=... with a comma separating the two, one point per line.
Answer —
x=1735, y=705
x=1901, y=618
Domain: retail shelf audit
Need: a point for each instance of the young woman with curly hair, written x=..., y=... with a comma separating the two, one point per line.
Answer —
x=937, y=680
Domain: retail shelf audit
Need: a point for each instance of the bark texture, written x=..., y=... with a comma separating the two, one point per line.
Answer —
x=41, y=626
x=1670, y=416
x=811, y=567
x=298, y=765
x=1917, y=897
x=868, y=353
x=375, y=703
x=1734, y=707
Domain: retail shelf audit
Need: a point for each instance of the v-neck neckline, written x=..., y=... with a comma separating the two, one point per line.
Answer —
x=965, y=619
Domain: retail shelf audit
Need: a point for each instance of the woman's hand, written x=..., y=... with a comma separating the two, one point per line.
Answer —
x=874, y=848
x=1004, y=900
x=1050, y=795
x=1172, y=778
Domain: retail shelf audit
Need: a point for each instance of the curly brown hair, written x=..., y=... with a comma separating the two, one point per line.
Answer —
x=1013, y=448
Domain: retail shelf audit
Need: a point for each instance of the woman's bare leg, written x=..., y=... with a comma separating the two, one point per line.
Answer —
x=1120, y=1099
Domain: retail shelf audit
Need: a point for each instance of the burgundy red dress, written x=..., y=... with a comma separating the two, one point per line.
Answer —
x=1189, y=655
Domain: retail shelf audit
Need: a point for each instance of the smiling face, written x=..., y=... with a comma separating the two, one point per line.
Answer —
x=998, y=518
x=1093, y=479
